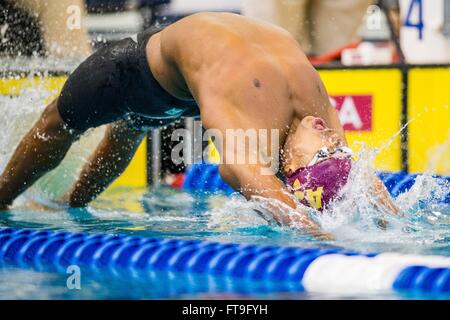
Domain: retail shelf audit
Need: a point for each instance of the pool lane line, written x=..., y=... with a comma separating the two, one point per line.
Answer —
x=328, y=270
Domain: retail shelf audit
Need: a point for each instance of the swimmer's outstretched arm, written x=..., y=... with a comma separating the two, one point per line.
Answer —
x=248, y=179
x=108, y=161
x=41, y=150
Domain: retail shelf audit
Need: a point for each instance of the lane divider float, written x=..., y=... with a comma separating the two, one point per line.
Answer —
x=317, y=269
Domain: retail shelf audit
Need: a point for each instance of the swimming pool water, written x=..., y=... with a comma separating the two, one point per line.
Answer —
x=169, y=213
x=29, y=284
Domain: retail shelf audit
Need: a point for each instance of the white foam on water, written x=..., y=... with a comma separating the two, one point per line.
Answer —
x=234, y=213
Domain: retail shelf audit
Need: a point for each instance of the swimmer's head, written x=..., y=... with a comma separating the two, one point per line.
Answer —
x=316, y=163
x=306, y=137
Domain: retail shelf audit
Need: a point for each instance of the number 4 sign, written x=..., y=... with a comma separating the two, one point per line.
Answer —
x=414, y=16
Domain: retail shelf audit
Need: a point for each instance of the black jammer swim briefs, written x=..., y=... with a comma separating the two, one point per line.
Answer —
x=116, y=83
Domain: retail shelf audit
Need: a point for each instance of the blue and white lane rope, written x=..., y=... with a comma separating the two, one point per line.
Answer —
x=386, y=271
x=318, y=270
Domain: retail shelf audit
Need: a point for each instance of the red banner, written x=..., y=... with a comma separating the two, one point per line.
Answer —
x=355, y=111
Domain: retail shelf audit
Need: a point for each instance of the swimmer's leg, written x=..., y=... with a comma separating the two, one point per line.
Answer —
x=41, y=150
x=108, y=161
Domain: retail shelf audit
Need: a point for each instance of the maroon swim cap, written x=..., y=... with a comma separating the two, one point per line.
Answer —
x=315, y=186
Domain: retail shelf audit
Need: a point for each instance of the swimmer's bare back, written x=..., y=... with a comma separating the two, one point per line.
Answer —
x=244, y=74
x=225, y=56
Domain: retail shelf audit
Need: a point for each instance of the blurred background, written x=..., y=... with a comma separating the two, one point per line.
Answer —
x=351, y=32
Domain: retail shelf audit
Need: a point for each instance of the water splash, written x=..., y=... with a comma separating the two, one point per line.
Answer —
x=18, y=115
x=437, y=156
x=359, y=218
x=356, y=219
x=235, y=213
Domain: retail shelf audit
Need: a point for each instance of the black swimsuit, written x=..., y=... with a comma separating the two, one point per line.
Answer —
x=116, y=83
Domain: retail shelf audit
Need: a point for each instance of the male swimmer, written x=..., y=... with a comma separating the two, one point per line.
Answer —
x=235, y=72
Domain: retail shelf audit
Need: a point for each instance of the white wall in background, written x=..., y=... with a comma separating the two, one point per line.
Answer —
x=190, y=6
x=129, y=21
x=422, y=37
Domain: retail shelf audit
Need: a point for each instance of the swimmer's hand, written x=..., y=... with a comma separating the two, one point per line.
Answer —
x=381, y=223
x=275, y=211
x=272, y=196
x=384, y=199
x=384, y=203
